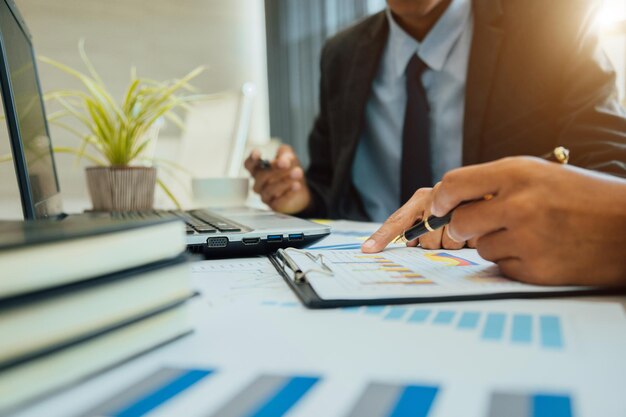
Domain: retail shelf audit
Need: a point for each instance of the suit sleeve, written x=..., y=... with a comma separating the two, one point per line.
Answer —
x=320, y=172
x=592, y=122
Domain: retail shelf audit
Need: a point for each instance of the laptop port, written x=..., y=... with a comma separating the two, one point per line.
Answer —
x=296, y=237
x=217, y=242
x=251, y=240
x=274, y=238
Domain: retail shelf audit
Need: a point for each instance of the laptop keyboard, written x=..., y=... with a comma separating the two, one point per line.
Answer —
x=195, y=220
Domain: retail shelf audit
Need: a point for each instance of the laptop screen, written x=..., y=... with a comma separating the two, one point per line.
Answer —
x=31, y=145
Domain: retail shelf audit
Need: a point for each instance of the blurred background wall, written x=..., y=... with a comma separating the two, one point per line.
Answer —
x=163, y=39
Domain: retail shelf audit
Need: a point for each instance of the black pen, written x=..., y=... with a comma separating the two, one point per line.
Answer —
x=264, y=164
x=432, y=223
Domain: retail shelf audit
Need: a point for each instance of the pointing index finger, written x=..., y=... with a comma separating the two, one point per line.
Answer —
x=398, y=222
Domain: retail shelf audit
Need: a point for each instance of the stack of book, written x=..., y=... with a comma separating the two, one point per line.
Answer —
x=79, y=296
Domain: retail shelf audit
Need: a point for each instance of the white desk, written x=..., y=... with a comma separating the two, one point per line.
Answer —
x=240, y=337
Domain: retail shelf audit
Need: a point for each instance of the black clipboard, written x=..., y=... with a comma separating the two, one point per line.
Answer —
x=296, y=280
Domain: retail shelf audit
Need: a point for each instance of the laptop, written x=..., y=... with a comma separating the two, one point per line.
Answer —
x=214, y=233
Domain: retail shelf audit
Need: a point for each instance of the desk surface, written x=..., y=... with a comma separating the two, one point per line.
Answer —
x=248, y=324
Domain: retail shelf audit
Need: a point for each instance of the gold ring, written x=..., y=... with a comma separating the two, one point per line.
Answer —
x=561, y=154
x=430, y=229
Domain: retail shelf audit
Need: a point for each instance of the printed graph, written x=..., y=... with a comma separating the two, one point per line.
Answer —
x=543, y=330
x=395, y=273
x=277, y=395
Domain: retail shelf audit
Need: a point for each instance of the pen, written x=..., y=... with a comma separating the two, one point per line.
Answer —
x=432, y=223
x=264, y=164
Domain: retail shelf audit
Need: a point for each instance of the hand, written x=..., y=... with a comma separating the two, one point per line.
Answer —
x=282, y=186
x=546, y=224
x=417, y=208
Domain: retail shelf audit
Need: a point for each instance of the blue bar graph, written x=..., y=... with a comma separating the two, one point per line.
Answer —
x=522, y=328
x=286, y=397
x=494, y=326
x=469, y=320
x=396, y=313
x=444, y=317
x=550, y=330
x=547, y=405
x=414, y=401
x=419, y=316
x=519, y=328
x=156, y=398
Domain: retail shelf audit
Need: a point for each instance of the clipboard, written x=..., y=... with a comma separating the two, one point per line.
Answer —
x=296, y=279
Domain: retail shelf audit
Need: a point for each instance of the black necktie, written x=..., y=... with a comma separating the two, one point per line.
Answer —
x=416, y=170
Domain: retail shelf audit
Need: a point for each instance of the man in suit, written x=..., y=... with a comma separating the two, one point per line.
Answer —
x=429, y=85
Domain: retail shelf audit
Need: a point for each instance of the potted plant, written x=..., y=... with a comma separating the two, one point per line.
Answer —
x=116, y=136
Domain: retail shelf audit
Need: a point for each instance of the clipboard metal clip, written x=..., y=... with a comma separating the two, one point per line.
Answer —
x=298, y=274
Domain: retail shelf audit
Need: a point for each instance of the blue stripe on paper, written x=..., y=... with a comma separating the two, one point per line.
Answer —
x=419, y=316
x=161, y=395
x=444, y=317
x=545, y=405
x=414, y=401
x=494, y=326
x=371, y=310
x=522, y=331
x=285, y=398
x=396, y=313
x=550, y=330
x=469, y=320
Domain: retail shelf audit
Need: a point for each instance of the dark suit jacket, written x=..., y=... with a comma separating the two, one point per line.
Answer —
x=536, y=79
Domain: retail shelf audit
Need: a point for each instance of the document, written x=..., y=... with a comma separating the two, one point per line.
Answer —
x=403, y=272
x=484, y=359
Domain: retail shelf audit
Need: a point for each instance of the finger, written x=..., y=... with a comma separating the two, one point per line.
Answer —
x=285, y=157
x=466, y=184
x=497, y=246
x=251, y=163
x=477, y=219
x=277, y=189
x=431, y=240
x=262, y=178
x=413, y=243
x=447, y=241
x=287, y=175
x=399, y=221
x=472, y=242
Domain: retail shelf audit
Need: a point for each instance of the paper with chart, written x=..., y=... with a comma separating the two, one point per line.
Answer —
x=402, y=272
x=451, y=359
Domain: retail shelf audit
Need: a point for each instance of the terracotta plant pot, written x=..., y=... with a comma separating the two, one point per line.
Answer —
x=121, y=188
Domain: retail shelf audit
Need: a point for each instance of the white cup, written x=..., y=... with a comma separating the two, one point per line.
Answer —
x=220, y=192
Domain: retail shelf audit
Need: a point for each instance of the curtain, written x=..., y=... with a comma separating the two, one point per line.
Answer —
x=296, y=32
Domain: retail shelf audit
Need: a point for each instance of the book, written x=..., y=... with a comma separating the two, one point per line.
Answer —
x=36, y=255
x=33, y=324
x=22, y=383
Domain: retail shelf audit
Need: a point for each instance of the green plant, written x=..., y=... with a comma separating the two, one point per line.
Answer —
x=116, y=134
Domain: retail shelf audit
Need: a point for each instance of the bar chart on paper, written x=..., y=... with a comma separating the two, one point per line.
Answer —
x=523, y=329
x=545, y=331
x=168, y=391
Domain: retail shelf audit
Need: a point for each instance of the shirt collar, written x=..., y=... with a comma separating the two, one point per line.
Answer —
x=436, y=46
